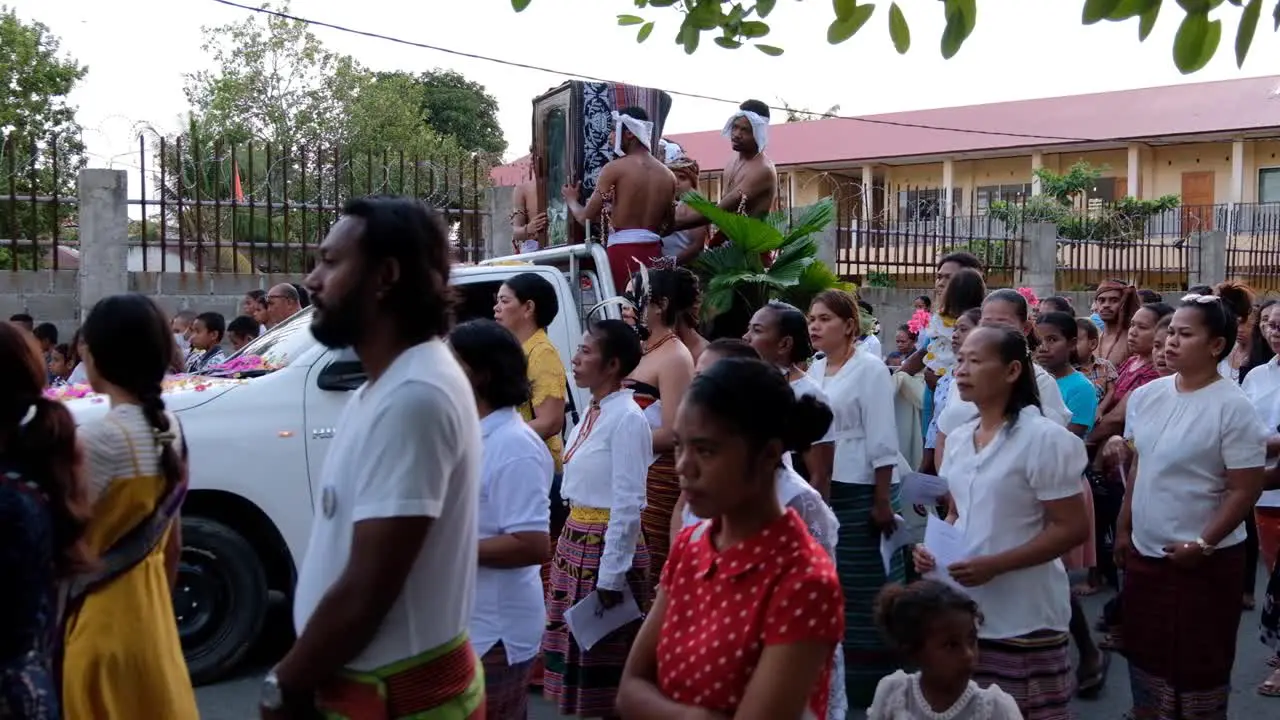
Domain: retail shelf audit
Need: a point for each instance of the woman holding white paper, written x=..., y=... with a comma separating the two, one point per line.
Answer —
x=1014, y=477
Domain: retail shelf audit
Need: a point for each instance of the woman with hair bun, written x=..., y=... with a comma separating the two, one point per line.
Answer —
x=43, y=512
x=123, y=655
x=756, y=638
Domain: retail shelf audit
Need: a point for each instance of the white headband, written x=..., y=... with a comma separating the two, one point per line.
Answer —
x=642, y=129
x=759, y=127
x=671, y=152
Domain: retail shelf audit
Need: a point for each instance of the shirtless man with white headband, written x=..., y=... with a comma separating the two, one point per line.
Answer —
x=639, y=188
x=750, y=180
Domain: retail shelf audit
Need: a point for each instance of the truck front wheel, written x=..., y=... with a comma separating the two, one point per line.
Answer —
x=220, y=599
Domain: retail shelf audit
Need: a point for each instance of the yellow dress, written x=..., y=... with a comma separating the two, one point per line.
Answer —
x=123, y=655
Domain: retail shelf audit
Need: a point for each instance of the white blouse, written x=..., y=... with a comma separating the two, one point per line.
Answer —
x=803, y=386
x=1052, y=405
x=999, y=494
x=515, y=487
x=1186, y=443
x=1262, y=387
x=863, y=427
x=607, y=470
x=898, y=697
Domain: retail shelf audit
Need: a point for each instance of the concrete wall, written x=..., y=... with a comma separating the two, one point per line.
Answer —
x=46, y=295
x=203, y=292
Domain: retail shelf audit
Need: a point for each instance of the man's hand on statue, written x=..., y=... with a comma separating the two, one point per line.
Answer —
x=571, y=191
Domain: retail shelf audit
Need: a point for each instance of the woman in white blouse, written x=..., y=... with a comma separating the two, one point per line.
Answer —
x=1262, y=387
x=864, y=485
x=1014, y=478
x=514, y=517
x=601, y=550
x=1197, y=472
x=1005, y=307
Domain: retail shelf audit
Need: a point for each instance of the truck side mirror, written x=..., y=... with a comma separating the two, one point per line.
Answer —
x=341, y=376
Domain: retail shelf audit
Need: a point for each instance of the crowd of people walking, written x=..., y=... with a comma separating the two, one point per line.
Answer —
x=727, y=500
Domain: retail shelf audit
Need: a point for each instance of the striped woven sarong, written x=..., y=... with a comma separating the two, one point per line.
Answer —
x=661, y=493
x=506, y=688
x=585, y=684
x=1180, y=631
x=444, y=683
x=867, y=657
x=1035, y=669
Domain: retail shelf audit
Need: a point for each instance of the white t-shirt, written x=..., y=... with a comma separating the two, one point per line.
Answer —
x=407, y=445
x=863, y=427
x=1186, y=442
x=1052, y=406
x=1262, y=387
x=515, y=487
x=999, y=494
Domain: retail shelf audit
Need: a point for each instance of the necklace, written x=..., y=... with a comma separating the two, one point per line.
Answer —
x=652, y=345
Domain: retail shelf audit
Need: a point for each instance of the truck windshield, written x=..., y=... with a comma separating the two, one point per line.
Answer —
x=272, y=351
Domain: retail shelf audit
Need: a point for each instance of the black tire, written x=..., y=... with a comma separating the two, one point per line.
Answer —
x=220, y=599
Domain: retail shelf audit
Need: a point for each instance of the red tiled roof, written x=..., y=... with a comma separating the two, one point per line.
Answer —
x=1227, y=106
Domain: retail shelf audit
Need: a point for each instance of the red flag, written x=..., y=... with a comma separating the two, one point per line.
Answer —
x=236, y=191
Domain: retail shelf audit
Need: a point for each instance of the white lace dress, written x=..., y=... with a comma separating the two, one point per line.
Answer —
x=898, y=697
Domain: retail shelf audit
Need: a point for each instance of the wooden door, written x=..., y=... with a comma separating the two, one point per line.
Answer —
x=1197, y=201
x=1122, y=189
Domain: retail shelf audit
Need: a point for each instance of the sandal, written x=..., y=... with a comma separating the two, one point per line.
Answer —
x=1274, y=662
x=1091, y=685
x=1271, y=686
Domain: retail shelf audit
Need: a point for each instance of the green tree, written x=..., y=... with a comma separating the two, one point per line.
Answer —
x=744, y=22
x=453, y=105
x=272, y=80
x=40, y=145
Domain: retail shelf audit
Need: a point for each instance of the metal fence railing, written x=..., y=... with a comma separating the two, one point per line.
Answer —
x=37, y=201
x=214, y=206
x=894, y=238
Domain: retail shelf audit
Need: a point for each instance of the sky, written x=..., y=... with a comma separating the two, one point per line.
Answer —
x=138, y=51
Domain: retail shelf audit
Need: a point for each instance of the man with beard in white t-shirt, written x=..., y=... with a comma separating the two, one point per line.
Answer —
x=385, y=592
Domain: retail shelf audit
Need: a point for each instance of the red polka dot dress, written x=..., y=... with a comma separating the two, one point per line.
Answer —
x=724, y=607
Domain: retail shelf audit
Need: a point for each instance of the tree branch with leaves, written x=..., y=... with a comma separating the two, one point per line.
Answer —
x=737, y=23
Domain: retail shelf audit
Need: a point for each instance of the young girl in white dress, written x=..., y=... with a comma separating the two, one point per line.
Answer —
x=936, y=629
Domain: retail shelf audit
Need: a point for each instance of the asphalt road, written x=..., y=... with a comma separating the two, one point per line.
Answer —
x=236, y=699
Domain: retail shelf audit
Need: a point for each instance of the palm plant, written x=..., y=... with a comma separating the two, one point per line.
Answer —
x=735, y=278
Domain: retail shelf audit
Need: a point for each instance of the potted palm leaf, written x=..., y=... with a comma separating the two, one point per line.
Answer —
x=735, y=278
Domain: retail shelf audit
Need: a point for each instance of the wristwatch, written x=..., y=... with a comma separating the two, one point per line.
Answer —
x=1204, y=546
x=272, y=695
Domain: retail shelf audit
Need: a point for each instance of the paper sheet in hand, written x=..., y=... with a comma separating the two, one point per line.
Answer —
x=946, y=544
x=590, y=622
x=922, y=489
x=900, y=538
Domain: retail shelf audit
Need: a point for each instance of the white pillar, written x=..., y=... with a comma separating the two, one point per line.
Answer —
x=1134, y=173
x=1237, y=171
x=948, y=180
x=1037, y=162
x=868, y=193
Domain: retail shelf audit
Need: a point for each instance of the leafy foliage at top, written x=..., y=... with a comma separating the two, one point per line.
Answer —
x=742, y=22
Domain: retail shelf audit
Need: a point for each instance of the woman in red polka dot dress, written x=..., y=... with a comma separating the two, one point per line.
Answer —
x=749, y=610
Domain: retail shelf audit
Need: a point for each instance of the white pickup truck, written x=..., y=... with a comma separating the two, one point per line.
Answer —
x=258, y=442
